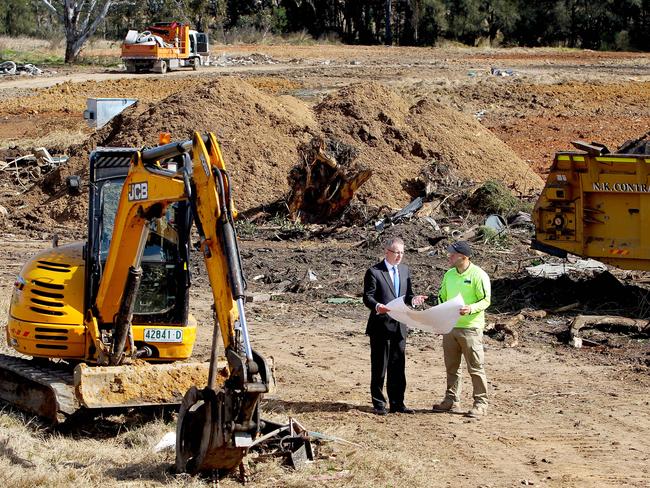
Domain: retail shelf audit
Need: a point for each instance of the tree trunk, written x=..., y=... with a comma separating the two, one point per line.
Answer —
x=389, y=15
x=70, y=55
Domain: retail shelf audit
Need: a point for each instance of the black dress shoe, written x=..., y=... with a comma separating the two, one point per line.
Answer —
x=379, y=411
x=402, y=409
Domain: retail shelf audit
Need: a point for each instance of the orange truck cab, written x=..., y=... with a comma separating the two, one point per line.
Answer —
x=165, y=46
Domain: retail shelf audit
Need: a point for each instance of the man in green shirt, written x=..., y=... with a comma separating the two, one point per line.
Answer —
x=466, y=338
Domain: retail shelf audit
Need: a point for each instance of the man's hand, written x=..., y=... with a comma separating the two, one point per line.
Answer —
x=465, y=310
x=381, y=308
x=418, y=300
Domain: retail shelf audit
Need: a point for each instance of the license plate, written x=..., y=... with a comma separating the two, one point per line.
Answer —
x=163, y=335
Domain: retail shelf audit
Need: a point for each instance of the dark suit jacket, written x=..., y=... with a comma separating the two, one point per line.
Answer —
x=378, y=288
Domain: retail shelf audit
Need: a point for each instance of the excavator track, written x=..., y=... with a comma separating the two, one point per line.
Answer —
x=46, y=390
x=55, y=391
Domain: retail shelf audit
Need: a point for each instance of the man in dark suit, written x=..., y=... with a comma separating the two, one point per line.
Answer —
x=384, y=282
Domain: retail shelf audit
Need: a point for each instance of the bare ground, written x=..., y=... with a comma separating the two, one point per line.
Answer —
x=558, y=416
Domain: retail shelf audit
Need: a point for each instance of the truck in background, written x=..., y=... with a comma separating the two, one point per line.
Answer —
x=596, y=204
x=165, y=46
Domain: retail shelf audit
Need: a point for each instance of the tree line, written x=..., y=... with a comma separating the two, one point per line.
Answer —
x=589, y=24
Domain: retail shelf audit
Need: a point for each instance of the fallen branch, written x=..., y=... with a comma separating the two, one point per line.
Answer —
x=625, y=324
x=508, y=327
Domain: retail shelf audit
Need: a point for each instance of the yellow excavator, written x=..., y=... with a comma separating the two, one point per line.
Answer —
x=106, y=322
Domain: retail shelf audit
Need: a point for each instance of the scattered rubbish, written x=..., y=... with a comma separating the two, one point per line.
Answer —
x=501, y=72
x=311, y=276
x=291, y=441
x=582, y=267
x=31, y=167
x=255, y=58
x=520, y=219
x=408, y=211
x=168, y=441
x=433, y=223
x=495, y=222
x=344, y=300
x=100, y=111
x=258, y=297
x=13, y=68
x=480, y=114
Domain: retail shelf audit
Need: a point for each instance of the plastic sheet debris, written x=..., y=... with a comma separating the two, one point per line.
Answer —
x=168, y=441
x=13, y=68
x=501, y=72
x=496, y=222
x=584, y=267
x=344, y=300
x=520, y=219
x=252, y=59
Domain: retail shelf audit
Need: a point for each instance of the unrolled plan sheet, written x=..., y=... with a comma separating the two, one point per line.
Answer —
x=439, y=319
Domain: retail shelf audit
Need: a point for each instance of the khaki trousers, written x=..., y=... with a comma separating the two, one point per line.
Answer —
x=467, y=343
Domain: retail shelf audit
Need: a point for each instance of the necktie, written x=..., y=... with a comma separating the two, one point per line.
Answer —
x=396, y=281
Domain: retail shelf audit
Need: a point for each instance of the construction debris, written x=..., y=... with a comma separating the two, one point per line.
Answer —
x=13, y=68
x=581, y=267
x=255, y=58
x=324, y=182
x=29, y=168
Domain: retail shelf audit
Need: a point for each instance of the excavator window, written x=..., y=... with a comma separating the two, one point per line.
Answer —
x=160, y=298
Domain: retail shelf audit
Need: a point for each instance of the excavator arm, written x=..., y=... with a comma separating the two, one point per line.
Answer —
x=216, y=423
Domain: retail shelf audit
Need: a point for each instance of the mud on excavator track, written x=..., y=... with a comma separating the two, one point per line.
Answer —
x=57, y=390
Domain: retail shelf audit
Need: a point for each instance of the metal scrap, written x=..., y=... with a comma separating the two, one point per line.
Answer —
x=31, y=167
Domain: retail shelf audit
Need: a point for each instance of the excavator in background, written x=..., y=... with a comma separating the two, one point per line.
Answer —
x=106, y=321
x=165, y=46
x=596, y=204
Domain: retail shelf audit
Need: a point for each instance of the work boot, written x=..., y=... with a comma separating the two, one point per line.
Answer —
x=477, y=411
x=446, y=405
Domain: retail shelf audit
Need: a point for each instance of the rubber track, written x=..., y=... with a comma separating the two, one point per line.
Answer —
x=57, y=378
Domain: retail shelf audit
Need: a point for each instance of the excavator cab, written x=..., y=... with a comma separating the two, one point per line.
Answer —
x=163, y=296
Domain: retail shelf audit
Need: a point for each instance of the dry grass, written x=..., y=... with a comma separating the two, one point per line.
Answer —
x=52, y=51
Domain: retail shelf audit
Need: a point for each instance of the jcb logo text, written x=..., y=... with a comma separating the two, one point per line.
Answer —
x=138, y=191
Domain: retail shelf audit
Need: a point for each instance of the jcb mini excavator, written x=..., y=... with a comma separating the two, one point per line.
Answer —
x=106, y=321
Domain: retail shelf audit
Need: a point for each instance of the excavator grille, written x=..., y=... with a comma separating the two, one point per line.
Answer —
x=48, y=298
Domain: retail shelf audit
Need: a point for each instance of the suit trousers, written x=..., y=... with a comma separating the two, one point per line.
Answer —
x=387, y=362
x=467, y=343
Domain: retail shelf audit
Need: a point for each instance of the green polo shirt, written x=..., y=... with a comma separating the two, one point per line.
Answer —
x=474, y=286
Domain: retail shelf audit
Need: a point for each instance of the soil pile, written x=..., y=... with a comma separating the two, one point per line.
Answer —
x=396, y=140
x=260, y=134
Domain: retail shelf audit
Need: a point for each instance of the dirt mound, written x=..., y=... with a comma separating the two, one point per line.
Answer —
x=260, y=134
x=396, y=140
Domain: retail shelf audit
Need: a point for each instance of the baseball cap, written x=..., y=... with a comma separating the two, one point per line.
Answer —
x=461, y=247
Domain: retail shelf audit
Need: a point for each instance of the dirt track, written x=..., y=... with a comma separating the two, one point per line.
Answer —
x=559, y=417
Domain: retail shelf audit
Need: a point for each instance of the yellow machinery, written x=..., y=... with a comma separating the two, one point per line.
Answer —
x=595, y=204
x=112, y=312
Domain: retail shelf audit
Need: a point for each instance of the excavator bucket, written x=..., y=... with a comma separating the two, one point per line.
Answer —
x=138, y=384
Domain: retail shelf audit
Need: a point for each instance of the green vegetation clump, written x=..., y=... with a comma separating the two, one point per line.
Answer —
x=31, y=57
x=493, y=197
